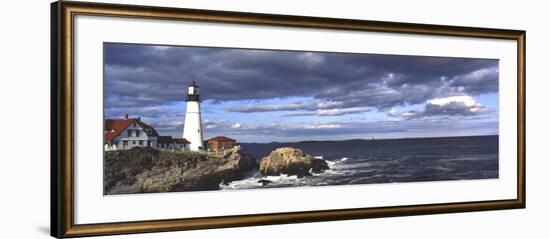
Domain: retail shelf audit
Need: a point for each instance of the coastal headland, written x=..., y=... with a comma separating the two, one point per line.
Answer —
x=147, y=170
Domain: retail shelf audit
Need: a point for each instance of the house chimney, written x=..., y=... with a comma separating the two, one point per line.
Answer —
x=138, y=118
x=126, y=116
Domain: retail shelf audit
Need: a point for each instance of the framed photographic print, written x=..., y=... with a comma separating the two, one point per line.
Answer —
x=170, y=119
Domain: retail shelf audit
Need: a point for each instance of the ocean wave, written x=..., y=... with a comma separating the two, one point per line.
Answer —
x=344, y=167
x=337, y=161
x=470, y=158
x=258, y=181
x=250, y=181
x=352, y=166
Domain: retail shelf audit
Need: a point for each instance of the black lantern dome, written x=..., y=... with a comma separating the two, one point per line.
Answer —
x=193, y=92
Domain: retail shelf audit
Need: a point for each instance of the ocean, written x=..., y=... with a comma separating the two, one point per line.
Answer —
x=384, y=161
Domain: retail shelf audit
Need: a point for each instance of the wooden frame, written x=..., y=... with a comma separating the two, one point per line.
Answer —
x=62, y=125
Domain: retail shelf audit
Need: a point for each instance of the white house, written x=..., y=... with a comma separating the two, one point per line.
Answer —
x=128, y=133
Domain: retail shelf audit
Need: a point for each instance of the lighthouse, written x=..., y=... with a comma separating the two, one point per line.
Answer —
x=192, y=129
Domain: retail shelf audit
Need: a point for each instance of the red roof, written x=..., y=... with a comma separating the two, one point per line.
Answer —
x=113, y=127
x=181, y=141
x=222, y=139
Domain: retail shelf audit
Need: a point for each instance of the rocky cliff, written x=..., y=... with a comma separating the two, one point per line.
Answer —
x=146, y=170
x=291, y=161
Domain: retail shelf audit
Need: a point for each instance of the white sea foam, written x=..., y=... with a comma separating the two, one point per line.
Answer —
x=338, y=168
x=254, y=182
x=246, y=183
x=353, y=166
x=334, y=162
x=257, y=181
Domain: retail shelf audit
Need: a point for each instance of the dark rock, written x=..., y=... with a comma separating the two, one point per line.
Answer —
x=319, y=165
x=264, y=182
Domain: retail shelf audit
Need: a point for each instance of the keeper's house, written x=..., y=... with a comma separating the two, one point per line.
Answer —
x=128, y=133
x=220, y=143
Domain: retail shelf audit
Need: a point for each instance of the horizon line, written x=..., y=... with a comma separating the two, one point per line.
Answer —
x=367, y=139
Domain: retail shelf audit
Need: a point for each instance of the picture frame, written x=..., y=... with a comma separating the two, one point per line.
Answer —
x=64, y=122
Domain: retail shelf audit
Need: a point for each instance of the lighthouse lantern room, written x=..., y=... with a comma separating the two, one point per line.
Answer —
x=192, y=129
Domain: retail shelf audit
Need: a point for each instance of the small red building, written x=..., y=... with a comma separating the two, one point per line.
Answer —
x=220, y=143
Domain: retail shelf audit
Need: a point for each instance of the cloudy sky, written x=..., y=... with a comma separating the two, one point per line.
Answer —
x=266, y=95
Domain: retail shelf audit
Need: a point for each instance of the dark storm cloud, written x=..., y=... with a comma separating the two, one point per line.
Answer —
x=478, y=82
x=140, y=75
x=147, y=112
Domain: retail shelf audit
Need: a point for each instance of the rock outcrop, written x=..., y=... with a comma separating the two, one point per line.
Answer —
x=291, y=161
x=147, y=170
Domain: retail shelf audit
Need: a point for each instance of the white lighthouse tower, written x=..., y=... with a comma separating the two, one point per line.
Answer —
x=192, y=129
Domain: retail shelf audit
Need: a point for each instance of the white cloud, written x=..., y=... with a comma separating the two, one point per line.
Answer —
x=211, y=126
x=161, y=48
x=465, y=99
x=236, y=126
x=296, y=126
x=408, y=114
x=328, y=104
x=463, y=105
x=311, y=59
x=318, y=108
x=270, y=107
x=333, y=112
x=323, y=126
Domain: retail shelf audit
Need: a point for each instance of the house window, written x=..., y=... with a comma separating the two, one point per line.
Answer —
x=137, y=133
x=129, y=133
x=134, y=124
x=141, y=142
